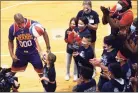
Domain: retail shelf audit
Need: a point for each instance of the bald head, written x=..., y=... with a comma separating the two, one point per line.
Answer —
x=18, y=18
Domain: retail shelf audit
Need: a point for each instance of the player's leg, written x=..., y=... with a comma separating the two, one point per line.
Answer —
x=36, y=61
x=68, y=62
x=20, y=65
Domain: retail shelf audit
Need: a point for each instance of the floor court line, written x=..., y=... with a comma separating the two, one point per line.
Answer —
x=27, y=2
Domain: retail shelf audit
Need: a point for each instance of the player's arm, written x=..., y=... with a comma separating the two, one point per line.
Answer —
x=40, y=49
x=133, y=50
x=113, y=23
x=11, y=41
x=11, y=44
x=125, y=20
x=38, y=45
x=11, y=47
x=41, y=53
x=46, y=38
x=104, y=17
x=104, y=20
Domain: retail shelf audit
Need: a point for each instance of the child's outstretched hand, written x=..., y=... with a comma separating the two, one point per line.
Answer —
x=44, y=78
x=44, y=56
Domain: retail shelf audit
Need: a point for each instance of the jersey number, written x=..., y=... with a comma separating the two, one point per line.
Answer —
x=25, y=43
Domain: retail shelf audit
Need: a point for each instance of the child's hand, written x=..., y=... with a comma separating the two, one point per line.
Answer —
x=68, y=32
x=70, y=37
x=44, y=78
x=16, y=84
x=95, y=62
x=134, y=80
x=75, y=54
x=79, y=81
x=75, y=34
x=48, y=51
x=44, y=56
x=106, y=75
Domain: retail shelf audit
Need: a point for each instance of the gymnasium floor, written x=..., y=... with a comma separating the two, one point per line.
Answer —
x=54, y=16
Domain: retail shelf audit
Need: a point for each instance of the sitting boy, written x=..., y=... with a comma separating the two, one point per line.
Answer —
x=85, y=82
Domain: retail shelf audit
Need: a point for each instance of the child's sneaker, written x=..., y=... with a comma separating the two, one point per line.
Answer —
x=67, y=77
x=75, y=78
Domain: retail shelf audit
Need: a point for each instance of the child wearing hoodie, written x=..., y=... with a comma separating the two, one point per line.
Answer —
x=125, y=66
x=49, y=74
x=116, y=82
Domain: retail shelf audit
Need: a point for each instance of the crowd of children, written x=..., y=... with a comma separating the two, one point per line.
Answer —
x=120, y=56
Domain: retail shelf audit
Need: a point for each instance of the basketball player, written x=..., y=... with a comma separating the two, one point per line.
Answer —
x=26, y=50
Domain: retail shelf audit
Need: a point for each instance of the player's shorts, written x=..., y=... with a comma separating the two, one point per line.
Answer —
x=21, y=64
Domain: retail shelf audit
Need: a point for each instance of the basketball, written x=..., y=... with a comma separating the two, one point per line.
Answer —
x=36, y=29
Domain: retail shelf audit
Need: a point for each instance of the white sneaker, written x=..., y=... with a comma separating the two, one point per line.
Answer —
x=67, y=77
x=75, y=78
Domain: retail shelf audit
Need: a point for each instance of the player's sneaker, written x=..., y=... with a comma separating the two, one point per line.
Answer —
x=75, y=78
x=67, y=77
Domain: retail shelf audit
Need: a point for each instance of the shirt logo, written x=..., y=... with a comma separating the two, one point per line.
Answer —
x=104, y=59
x=24, y=37
x=82, y=54
x=25, y=51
